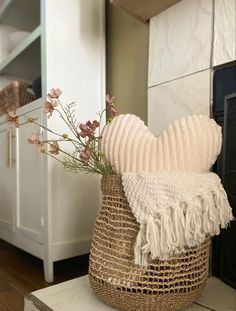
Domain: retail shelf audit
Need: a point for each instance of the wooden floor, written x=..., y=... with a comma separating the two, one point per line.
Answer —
x=21, y=273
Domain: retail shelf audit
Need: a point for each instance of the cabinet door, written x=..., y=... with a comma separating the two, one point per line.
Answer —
x=29, y=181
x=7, y=176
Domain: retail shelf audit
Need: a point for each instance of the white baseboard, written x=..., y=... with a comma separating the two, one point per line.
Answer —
x=34, y=248
x=63, y=250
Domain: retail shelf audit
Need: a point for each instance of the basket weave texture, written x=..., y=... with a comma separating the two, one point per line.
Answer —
x=162, y=286
x=13, y=96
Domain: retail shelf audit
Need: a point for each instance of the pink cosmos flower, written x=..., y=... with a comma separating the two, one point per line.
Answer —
x=93, y=125
x=54, y=148
x=54, y=93
x=49, y=107
x=85, y=130
x=12, y=118
x=88, y=128
x=85, y=155
x=111, y=105
x=34, y=139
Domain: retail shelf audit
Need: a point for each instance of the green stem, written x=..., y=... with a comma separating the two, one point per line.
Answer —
x=68, y=124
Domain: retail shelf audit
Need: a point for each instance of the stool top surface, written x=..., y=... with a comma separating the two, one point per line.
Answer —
x=72, y=295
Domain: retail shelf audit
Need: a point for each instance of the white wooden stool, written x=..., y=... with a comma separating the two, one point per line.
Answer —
x=74, y=295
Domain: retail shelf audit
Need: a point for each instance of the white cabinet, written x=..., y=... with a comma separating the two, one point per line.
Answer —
x=20, y=178
x=7, y=177
x=50, y=211
x=29, y=167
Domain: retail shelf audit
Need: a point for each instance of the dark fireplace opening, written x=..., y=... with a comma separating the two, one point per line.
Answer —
x=224, y=112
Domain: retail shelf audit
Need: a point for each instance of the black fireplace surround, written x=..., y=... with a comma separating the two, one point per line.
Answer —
x=224, y=112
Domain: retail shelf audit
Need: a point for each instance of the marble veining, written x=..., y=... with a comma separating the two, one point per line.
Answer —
x=224, y=32
x=180, y=41
x=172, y=100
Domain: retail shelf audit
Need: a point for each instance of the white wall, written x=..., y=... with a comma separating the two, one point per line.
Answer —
x=186, y=42
x=75, y=62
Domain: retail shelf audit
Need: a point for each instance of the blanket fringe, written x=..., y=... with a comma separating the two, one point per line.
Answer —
x=173, y=230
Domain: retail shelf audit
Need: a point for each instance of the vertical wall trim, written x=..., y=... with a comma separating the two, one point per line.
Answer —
x=213, y=34
x=212, y=58
x=103, y=59
x=46, y=211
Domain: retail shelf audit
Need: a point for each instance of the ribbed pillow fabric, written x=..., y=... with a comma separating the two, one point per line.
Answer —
x=190, y=144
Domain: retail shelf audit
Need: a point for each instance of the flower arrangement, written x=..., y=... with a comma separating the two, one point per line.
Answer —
x=85, y=138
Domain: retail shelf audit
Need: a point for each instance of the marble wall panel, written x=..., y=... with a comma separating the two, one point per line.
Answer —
x=180, y=41
x=224, y=32
x=172, y=100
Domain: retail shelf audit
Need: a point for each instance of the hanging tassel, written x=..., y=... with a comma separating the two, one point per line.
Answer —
x=140, y=258
x=169, y=230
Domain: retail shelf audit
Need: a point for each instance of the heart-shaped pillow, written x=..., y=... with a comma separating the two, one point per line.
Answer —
x=190, y=144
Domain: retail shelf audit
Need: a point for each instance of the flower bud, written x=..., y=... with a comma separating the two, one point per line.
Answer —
x=30, y=120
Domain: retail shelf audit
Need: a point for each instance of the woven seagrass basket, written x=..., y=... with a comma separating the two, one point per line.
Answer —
x=162, y=286
x=13, y=96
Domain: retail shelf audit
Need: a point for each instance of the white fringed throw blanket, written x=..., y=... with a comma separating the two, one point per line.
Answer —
x=175, y=210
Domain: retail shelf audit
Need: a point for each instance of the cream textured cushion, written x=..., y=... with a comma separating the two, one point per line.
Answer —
x=190, y=144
